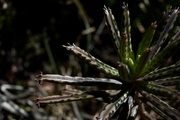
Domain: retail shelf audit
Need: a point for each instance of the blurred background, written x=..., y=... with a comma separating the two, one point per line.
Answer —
x=32, y=33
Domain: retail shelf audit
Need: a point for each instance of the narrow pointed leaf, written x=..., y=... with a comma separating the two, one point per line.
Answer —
x=164, y=34
x=161, y=57
x=160, y=73
x=109, y=110
x=125, y=55
x=127, y=26
x=162, y=106
x=78, y=80
x=124, y=48
x=168, y=81
x=112, y=25
x=158, y=90
x=146, y=40
x=60, y=99
x=92, y=61
x=125, y=45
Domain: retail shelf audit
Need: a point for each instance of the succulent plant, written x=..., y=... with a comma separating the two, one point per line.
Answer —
x=141, y=83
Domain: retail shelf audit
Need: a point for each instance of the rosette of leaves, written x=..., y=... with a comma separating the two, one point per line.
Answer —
x=140, y=83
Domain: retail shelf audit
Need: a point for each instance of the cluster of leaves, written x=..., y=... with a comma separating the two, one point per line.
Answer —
x=140, y=83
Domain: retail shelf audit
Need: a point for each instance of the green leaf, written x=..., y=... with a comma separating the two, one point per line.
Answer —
x=92, y=61
x=160, y=73
x=158, y=90
x=125, y=55
x=141, y=62
x=146, y=40
x=126, y=47
x=161, y=57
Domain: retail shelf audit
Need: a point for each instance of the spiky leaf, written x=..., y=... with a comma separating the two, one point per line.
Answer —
x=92, y=61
